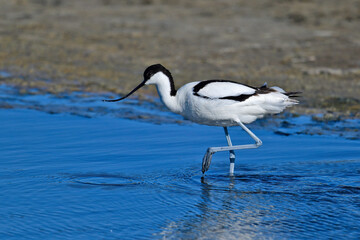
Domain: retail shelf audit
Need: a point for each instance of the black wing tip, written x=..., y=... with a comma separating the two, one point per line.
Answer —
x=293, y=94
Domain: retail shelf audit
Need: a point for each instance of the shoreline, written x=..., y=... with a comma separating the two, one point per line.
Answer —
x=149, y=109
x=336, y=108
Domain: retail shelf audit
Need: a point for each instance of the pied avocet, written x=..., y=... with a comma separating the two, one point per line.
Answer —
x=217, y=103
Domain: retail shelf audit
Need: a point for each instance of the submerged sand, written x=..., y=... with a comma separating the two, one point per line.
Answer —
x=58, y=46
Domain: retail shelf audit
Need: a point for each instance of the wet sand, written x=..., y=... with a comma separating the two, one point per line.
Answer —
x=58, y=46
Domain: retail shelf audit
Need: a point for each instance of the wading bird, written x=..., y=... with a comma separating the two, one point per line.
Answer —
x=217, y=103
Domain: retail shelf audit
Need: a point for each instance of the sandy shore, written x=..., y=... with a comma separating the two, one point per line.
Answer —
x=104, y=45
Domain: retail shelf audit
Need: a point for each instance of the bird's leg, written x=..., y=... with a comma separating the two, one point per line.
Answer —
x=232, y=152
x=258, y=142
x=210, y=151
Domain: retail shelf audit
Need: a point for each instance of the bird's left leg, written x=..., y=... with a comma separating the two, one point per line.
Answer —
x=210, y=151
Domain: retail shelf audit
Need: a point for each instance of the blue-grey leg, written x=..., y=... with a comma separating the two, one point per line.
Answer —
x=210, y=151
x=232, y=152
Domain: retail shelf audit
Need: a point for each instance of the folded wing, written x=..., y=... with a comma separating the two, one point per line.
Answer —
x=223, y=89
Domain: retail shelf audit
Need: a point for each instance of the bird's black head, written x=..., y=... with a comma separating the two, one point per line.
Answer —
x=148, y=73
x=153, y=69
x=156, y=68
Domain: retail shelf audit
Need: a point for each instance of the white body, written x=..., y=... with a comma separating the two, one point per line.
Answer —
x=208, y=108
x=217, y=103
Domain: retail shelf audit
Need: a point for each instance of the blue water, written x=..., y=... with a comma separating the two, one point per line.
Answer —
x=65, y=176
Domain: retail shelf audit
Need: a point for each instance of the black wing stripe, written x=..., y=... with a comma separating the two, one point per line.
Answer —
x=198, y=95
x=239, y=98
x=202, y=84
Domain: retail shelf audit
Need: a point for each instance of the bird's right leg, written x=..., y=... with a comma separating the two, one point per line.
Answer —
x=232, y=152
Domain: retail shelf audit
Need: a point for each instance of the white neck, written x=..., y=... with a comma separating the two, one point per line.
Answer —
x=163, y=87
x=169, y=101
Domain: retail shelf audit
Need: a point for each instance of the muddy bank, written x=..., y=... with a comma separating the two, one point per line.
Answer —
x=103, y=46
x=151, y=110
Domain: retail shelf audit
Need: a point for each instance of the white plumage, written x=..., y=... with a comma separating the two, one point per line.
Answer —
x=215, y=107
x=217, y=103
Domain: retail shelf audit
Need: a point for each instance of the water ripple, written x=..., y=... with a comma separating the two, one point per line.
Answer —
x=65, y=177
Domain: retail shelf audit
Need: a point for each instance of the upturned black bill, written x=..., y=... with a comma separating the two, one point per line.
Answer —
x=119, y=99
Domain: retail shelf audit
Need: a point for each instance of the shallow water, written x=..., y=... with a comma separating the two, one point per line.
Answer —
x=65, y=176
